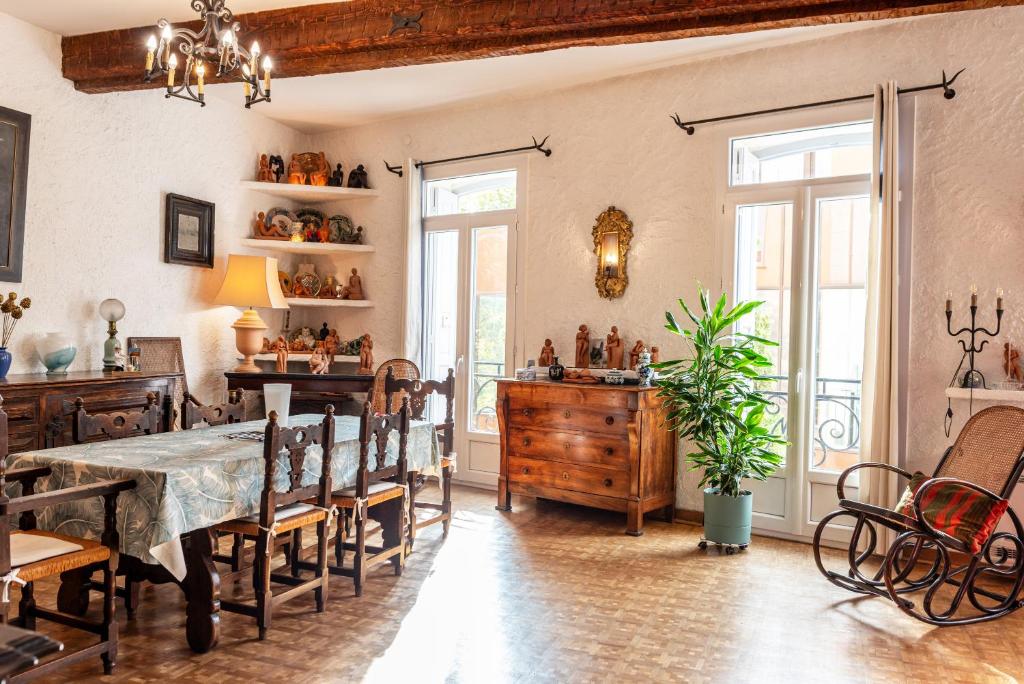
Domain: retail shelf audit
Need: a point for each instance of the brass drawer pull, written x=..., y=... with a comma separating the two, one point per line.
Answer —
x=609, y=420
x=527, y=412
x=565, y=476
x=567, y=413
x=526, y=471
x=609, y=451
x=567, y=446
x=527, y=441
x=607, y=482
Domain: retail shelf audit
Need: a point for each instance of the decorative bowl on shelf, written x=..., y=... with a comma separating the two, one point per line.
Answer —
x=56, y=351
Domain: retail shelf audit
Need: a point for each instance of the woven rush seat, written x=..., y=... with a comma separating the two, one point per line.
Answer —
x=36, y=554
x=377, y=492
x=286, y=518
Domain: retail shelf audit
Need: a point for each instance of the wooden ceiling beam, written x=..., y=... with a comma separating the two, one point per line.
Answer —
x=357, y=35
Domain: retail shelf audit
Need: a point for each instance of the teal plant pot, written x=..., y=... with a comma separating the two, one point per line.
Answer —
x=727, y=518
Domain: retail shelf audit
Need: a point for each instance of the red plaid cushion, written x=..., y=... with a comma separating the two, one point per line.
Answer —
x=960, y=512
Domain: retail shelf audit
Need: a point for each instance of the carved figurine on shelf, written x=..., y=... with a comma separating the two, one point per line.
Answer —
x=547, y=354
x=358, y=178
x=337, y=179
x=267, y=346
x=329, y=289
x=655, y=355
x=366, y=355
x=318, y=364
x=354, y=289
x=323, y=233
x=282, y=354
x=259, y=225
x=321, y=171
x=1011, y=363
x=614, y=349
x=263, y=172
x=352, y=236
x=583, y=347
x=276, y=167
x=296, y=176
x=298, y=290
x=324, y=331
x=634, y=354
x=331, y=344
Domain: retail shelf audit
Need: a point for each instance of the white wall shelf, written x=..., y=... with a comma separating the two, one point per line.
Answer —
x=313, y=302
x=297, y=356
x=310, y=194
x=307, y=247
x=1015, y=396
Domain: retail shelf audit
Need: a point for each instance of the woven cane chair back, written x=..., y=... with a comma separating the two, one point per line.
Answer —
x=162, y=355
x=987, y=452
x=404, y=369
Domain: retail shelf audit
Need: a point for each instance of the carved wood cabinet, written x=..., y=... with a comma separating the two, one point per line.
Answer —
x=603, y=446
x=40, y=407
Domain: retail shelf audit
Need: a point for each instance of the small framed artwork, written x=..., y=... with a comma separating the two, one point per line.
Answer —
x=14, y=138
x=188, y=231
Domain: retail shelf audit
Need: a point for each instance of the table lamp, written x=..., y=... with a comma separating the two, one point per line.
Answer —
x=111, y=310
x=250, y=281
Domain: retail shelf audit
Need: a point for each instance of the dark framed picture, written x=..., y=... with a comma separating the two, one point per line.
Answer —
x=15, y=128
x=188, y=231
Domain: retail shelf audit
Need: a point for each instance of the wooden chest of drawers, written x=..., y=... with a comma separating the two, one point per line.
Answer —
x=597, y=445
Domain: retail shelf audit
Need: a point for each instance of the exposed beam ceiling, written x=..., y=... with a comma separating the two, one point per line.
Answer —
x=355, y=36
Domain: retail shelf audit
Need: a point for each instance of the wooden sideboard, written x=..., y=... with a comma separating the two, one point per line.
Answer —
x=605, y=446
x=39, y=406
x=309, y=392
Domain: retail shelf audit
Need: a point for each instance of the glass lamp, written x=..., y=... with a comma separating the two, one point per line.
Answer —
x=111, y=310
x=250, y=281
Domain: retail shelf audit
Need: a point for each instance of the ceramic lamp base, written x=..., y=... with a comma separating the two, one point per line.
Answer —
x=249, y=331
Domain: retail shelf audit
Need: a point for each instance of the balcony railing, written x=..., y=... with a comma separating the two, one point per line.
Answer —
x=485, y=394
x=836, y=429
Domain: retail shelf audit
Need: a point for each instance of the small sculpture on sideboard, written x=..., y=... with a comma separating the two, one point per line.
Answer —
x=277, y=167
x=583, y=347
x=263, y=172
x=358, y=178
x=614, y=349
x=281, y=349
x=337, y=179
x=655, y=355
x=1011, y=363
x=547, y=354
x=331, y=343
x=643, y=368
x=634, y=354
x=366, y=355
x=354, y=289
x=318, y=364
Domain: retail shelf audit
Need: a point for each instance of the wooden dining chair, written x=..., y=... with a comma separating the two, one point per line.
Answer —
x=418, y=393
x=28, y=555
x=281, y=512
x=88, y=427
x=401, y=368
x=193, y=413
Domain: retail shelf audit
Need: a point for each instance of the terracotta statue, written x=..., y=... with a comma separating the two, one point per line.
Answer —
x=357, y=178
x=320, y=175
x=1011, y=365
x=318, y=364
x=547, y=354
x=337, y=179
x=354, y=289
x=263, y=172
x=655, y=355
x=583, y=347
x=366, y=355
x=634, y=354
x=272, y=231
x=323, y=233
x=615, y=350
x=282, y=354
x=296, y=176
x=276, y=167
x=267, y=347
x=331, y=345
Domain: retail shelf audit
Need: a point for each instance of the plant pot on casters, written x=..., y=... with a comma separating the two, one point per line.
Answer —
x=716, y=405
x=250, y=281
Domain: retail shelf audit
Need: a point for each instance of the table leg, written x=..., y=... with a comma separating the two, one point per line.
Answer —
x=504, y=495
x=202, y=589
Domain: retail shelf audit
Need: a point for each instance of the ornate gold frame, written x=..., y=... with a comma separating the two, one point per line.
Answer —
x=614, y=221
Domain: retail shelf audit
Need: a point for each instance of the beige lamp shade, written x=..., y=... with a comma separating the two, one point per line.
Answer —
x=251, y=281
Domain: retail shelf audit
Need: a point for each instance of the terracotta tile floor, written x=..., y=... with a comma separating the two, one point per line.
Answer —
x=556, y=593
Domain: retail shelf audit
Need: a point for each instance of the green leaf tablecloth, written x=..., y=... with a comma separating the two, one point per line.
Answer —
x=192, y=479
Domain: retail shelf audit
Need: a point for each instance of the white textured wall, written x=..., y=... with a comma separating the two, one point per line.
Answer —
x=614, y=144
x=98, y=171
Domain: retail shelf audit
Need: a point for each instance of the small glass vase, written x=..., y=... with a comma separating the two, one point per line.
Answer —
x=5, y=362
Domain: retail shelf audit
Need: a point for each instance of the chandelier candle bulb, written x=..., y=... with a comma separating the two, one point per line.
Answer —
x=974, y=295
x=172, y=65
x=266, y=74
x=254, y=51
x=999, y=298
x=165, y=40
x=200, y=73
x=150, y=52
x=949, y=301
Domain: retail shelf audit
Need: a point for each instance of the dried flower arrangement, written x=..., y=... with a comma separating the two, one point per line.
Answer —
x=12, y=310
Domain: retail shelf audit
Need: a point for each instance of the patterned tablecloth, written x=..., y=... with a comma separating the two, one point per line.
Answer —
x=192, y=479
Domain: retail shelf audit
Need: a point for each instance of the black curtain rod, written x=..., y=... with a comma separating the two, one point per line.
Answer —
x=948, y=93
x=539, y=146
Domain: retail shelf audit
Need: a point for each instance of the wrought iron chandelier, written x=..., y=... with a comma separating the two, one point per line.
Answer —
x=216, y=43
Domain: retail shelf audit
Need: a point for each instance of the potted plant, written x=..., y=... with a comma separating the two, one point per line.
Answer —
x=714, y=402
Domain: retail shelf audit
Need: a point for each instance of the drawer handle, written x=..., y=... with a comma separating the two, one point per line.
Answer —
x=567, y=413
x=609, y=420
x=609, y=451
x=565, y=476
x=527, y=412
x=526, y=471
x=567, y=446
x=607, y=482
x=527, y=441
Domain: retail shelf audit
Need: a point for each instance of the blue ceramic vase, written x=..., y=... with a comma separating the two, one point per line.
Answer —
x=5, y=362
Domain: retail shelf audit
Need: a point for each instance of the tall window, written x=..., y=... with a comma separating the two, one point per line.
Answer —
x=799, y=216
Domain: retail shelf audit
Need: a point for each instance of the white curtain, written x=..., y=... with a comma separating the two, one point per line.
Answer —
x=880, y=418
x=412, y=310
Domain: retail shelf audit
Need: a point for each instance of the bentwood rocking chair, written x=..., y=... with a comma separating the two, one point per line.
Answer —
x=418, y=392
x=947, y=547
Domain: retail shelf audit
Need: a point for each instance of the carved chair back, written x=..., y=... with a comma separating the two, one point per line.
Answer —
x=989, y=451
x=418, y=391
x=193, y=414
x=375, y=429
x=296, y=441
x=403, y=369
x=116, y=425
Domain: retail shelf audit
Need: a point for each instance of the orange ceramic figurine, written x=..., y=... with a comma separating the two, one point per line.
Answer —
x=263, y=172
x=366, y=356
x=295, y=174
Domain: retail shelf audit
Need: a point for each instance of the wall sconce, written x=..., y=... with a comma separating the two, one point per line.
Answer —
x=612, y=234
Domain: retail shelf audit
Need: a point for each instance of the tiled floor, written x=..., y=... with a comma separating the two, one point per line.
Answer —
x=556, y=593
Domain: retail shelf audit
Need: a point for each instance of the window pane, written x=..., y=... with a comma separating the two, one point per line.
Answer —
x=827, y=152
x=842, y=227
x=440, y=315
x=763, y=271
x=471, y=194
x=487, y=337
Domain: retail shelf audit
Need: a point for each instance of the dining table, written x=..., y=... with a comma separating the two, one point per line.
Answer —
x=187, y=481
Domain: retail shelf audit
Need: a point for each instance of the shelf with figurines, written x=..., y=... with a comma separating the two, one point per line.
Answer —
x=309, y=178
x=306, y=231
x=597, y=361
x=319, y=350
x=307, y=289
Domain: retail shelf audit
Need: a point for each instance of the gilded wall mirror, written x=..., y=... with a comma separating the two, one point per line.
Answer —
x=612, y=235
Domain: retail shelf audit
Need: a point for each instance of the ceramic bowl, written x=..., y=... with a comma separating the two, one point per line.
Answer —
x=56, y=351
